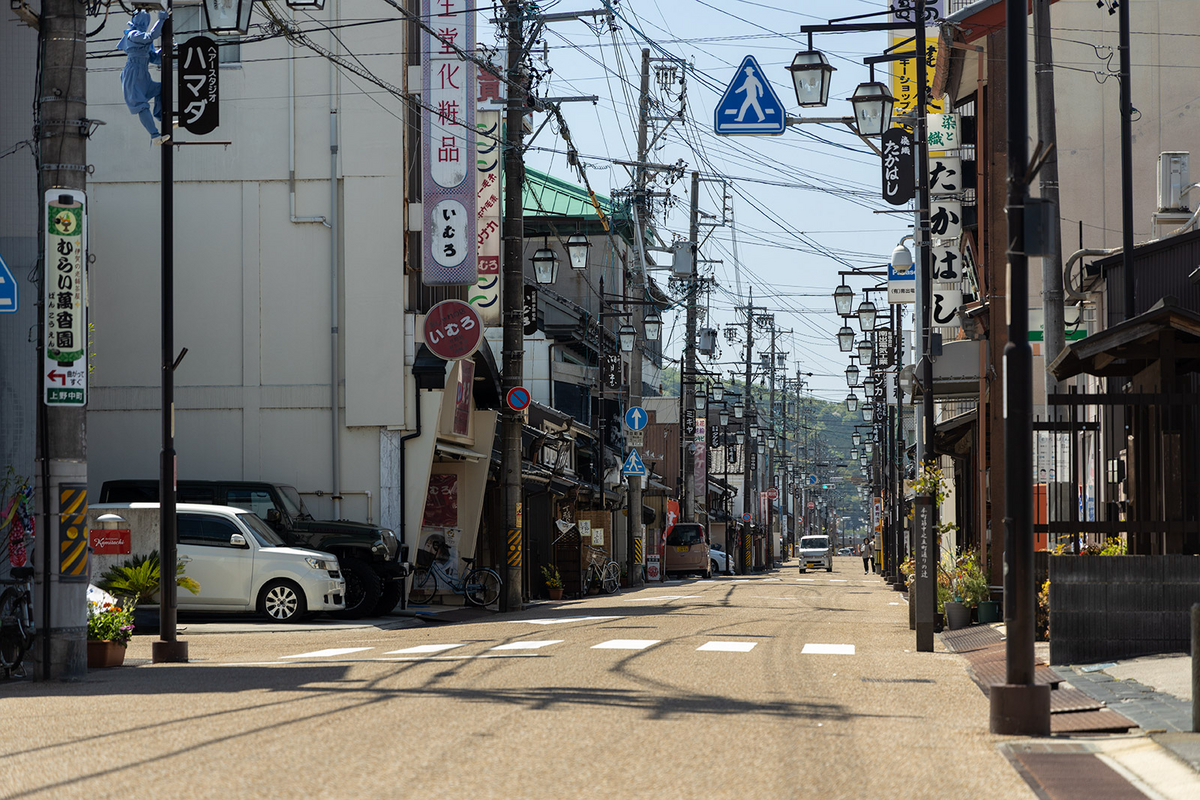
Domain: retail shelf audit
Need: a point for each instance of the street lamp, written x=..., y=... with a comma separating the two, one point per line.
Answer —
x=545, y=267
x=739, y=409
x=718, y=391
x=845, y=338
x=753, y=430
x=740, y=436
x=651, y=324
x=627, y=335
x=863, y=460
x=856, y=438
x=228, y=17
x=577, y=249
x=853, y=454
x=701, y=400
x=872, y=108
x=866, y=315
x=868, y=412
x=864, y=351
x=843, y=296
x=852, y=402
x=772, y=441
x=762, y=447
x=869, y=386
x=852, y=372
x=723, y=416
x=810, y=76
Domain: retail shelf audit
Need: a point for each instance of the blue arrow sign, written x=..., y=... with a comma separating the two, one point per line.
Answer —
x=633, y=464
x=636, y=418
x=9, y=301
x=750, y=105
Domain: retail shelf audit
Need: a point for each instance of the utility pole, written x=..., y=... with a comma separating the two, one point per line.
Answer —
x=770, y=482
x=62, y=439
x=641, y=208
x=687, y=381
x=513, y=298
x=747, y=485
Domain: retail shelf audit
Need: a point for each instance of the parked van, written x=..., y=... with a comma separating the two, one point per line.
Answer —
x=687, y=550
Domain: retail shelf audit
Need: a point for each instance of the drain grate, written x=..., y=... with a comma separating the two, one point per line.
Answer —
x=897, y=680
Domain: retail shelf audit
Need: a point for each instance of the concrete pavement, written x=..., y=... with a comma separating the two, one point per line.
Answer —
x=773, y=685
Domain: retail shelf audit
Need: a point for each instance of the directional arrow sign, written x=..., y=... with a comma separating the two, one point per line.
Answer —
x=633, y=465
x=636, y=418
x=9, y=302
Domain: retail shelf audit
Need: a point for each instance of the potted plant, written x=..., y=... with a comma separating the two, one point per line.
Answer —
x=109, y=629
x=554, y=584
x=137, y=580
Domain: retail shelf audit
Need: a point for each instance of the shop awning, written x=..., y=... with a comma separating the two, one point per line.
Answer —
x=460, y=452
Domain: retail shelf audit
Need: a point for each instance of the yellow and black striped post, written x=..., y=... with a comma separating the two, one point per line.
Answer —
x=72, y=530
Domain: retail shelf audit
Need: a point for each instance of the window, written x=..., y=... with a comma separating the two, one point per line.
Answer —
x=188, y=21
x=256, y=501
x=207, y=531
x=686, y=534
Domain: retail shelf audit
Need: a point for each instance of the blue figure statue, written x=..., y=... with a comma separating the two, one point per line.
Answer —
x=138, y=43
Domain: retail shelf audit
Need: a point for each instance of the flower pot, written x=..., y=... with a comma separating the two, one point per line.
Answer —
x=103, y=653
x=957, y=615
x=989, y=611
x=555, y=594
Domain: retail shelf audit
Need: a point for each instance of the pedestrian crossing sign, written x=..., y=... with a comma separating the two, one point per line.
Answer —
x=749, y=105
x=634, y=464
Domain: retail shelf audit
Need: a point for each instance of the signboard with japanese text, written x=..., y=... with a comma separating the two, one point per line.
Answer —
x=441, y=502
x=453, y=330
x=943, y=132
x=945, y=218
x=904, y=73
x=199, y=76
x=610, y=370
x=902, y=284
x=701, y=462
x=529, y=311
x=898, y=166
x=946, y=262
x=945, y=306
x=488, y=169
x=448, y=143
x=64, y=366
x=945, y=175
x=689, y=422
x=905, y=10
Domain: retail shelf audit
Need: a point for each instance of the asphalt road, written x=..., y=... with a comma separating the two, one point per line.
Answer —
x=780, y=685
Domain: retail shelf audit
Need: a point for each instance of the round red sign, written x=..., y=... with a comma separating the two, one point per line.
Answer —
x=772, y=493
x=453, y=330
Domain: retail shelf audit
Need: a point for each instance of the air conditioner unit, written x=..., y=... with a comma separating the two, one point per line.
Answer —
x=1172, y=181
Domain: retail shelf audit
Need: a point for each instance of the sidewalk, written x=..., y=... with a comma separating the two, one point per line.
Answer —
x=1159, y=758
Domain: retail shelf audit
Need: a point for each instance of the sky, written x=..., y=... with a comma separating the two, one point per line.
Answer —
x=802, y=204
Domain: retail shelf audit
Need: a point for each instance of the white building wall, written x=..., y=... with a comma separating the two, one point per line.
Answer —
x=253, y=289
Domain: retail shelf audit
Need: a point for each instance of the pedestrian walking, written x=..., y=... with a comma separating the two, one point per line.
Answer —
x=868, y=552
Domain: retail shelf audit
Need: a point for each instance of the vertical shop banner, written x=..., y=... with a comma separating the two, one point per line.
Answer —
x=701, y=464
x=199, y=85
x=672, y=518
x=448, y=144
x=488, y=169
x=64, y=366
x=904, y=73
x=462, y=398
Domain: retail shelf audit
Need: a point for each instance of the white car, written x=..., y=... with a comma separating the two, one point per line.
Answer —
x=241, y=564
x=815, y=552
x=719, y=561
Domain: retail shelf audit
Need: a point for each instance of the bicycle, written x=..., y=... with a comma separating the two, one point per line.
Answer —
x=16, y=620
x=607, y=575
x=481, y=586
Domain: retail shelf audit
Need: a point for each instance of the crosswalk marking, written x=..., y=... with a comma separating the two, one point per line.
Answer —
x=423, y=648
x=526, y=645
x=559, y=620
x=333, y=651
x=828, y=649
x=728, y=647
x=625, y=644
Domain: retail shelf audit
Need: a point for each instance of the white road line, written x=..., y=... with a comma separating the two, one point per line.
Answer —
x=728, y=647
x=828, y=649
x=625, y=644
x=805, y=580
x=838, y=580
x=559, y=620
x=772, y=579
x=526, y=645
x=423, y=648
x=893, y=603
x=333, y=651
x=663, y=597
x=741, y=580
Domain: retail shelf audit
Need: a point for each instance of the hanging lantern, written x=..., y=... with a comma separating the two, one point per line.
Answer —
x=577, y=250
x=545, y=267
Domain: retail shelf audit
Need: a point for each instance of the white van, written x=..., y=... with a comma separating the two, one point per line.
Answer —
x=815, y=552
x=240, y=563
